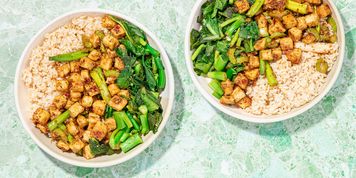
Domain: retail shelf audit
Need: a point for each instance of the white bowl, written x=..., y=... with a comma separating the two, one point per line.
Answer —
x=202, y=83
x=45, y=143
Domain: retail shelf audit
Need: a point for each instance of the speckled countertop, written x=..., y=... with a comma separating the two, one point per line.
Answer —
x=198, y=141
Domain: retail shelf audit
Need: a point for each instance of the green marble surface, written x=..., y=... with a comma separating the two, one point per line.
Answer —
x=198, y=141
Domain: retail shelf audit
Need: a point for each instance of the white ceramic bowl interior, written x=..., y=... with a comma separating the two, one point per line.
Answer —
x=22, y=95
x=202, y=83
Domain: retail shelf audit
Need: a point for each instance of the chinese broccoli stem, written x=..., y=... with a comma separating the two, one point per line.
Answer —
x=130, y=143
x=58, y=120
x=217, y=75
x=296, y=7
x=98, y=78
x=271, y=77
x=216, y=87
x=255, y=8
x=69, y=56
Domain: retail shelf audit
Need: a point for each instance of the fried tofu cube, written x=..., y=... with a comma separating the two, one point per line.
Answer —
x=242, y=6
x=266, y=55
x=252, y=74
x=75, y=95
x=62, y=145
x=253, y=62
x=117, y=31
x=87, y=63
x=77, y=86
x=244, y=102
x=260, y=44
x=295, y=34
x=262, y=21
x=227, y=100
x=119, y=64
x=87, y=101
x=289, y=21
x=92, y=89
x=85, y=76
x=110, y=124
x=308, y=39
x=118, y=103
x=276, y=26
x=69, y=104
x=110, y=80
x=312, y=20
x=99, y=131
x=113, y=89
x=295, y=55
x=277, y=53
x=62, y=85
x=94, y=55
x=72, y=128
x=238, y=94
x=87, y=154
x=75, y=110
x=286, y=43
x=41, y=116
x=60, y=101
x=302, y=25
x=111, y=53
x=110, y=42
x=99, y=107
x=314, y=1
x=86, y=135
x=107, y=22
x=74, y=77
x=94, y=40
x=54, y=111
x=92, y=119
x=323, y=11
x=228, y=87
x=241, y=80
x=275, y=4
x=82, y=121
x=106, y=62
x=310, y=8
x=63, y=70
x=124, y=93
x=74, y=66
x=76, y=146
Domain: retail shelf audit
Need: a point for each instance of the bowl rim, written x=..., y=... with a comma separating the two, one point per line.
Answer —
x=254, y=118
x=137, y=150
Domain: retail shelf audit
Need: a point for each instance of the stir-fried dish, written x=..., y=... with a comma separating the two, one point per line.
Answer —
x=239, y=39
x=109, y=92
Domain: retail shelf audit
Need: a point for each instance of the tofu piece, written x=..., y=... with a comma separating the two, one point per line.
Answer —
x=76, y=146
x=94, y=40
x=124, y=93
x=110, y=80
x=60, y=101
x=77, y=86
x=286, y=43
x=110, y=41
x=86, y=136
x=277, y=53
x=87, y=101
x=227, y=100
x=87, y=154
x=253, y=62
x=244, y=102
x=295, y=55
x=242, y=6
x=72, y=128
x=323, y=11
x=74, y=66
x=63, y=70
x=276, y=26
x=87, y=63
x=117, y=31
x=228, y=87
x=85, y=76
x=62, y=85
x=238, y=94
x=110, y=124
x=99, y=131
x=75, y=110
x=312, y=20
x=118, y=103
x=62, y=145
x=266, y=55
x=106, y=62
x=317, y=2
x=119, y=64
x=82, y=121
x=295, y=34
x=113, y=89
x=310, y=8
x=241, y=80
x=74, y=77
x=92, y=89
x=69, y=104
x=275, y=4
x=99, y=107
x=302, y=25
x=94, y=55
x=92, y=119
x=252, y=74
x=107, y=22
x=308, y=39
x=262, y=21
x=111, y=53
x=54, y=111
x=75, y=96
x=289, y=21
x=41, y=116
x=260, y=44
